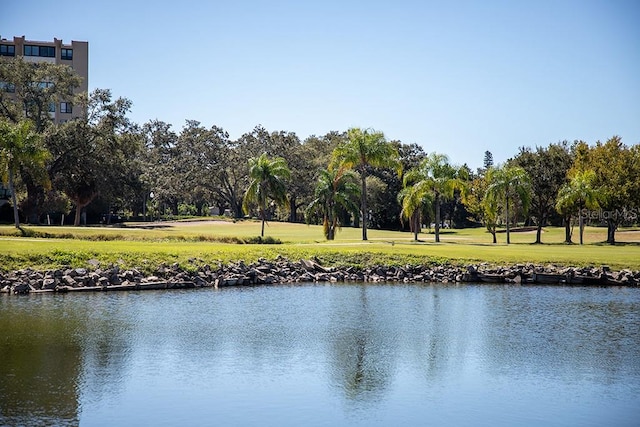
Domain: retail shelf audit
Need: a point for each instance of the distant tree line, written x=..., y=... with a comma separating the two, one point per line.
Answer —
x=102, y=163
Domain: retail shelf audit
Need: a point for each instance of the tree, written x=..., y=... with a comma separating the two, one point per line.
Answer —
x=336, y=191
x=491, y=213
x=159, y=160
x=20, y=146
x=577, y=195
x=303, y=173
x=414, y=199
x=287, y=145
x=29, y=90
x=617, y=171
x=547, y=169
x=506, y=183
x=320, y=149
x=365, y=149
x=384, y=186
x=488, y=160
x=201, y=160
x=266, y=182
x=436, y=176
x=483, y=209
x=92, y=153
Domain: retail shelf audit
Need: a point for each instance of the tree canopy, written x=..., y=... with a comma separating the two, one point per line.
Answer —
x=20, y=147
x=365, y=149
x=267, y=182
x=507, y=183
x=102, y=162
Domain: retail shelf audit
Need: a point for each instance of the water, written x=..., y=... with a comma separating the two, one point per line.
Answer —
x=323, y=355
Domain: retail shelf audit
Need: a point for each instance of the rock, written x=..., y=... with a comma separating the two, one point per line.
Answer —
x=21, y=289
x=69, y=280
x=49, y=283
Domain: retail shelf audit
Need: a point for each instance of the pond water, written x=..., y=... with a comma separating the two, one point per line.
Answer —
x=323, y=355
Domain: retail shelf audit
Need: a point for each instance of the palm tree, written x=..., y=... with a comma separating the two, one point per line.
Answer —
x=435, y=176
x=413, y=199
x=505, y=184
x=20, y=147
x=363, y=150
x=491, y=211
x=336, y=189
x=267, y=182
x=578, y=194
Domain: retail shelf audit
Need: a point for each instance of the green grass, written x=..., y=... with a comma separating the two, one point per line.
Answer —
x=196, y=243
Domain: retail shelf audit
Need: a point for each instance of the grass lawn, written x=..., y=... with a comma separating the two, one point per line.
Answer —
x=195, y=242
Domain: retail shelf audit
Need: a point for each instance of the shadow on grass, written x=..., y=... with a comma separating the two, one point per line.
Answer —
x=617, y=244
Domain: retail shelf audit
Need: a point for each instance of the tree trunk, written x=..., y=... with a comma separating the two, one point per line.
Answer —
x=292, y=208
x=506, y=212
x=493, y=233
x=611, y=232
x=14, y=200
x=331, y=233
x=416, y=225
x=262, y=215
x=199, y=206
x=539, y=230
x=567, y=229
x=581, y=226
x=364, y=206
x=79, y=207
x=35, y=198
x=437, y=202
x=237, y=209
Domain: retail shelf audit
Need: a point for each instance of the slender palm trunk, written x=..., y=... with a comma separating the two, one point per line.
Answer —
x=567, y=229
x=331, y=222
x=262, y=214
x=14, y=200
x=416, y=225
x=437, y=202
x=581, y=226
x=364, y=206
x=506, y=212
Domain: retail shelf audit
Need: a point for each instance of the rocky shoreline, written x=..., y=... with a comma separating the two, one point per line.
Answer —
x=283, y=271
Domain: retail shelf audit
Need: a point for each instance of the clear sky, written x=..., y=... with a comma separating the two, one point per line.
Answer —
x=457, y=77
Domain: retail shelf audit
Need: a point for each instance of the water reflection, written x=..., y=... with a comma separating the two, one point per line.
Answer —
x=323, y=354
x=362, y=345
x=563, y=330
x=40, y=363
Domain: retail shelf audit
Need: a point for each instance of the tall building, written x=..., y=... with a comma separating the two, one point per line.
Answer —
x=75, y=54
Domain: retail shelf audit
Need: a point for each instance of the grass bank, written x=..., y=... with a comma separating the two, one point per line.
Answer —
x=194, y=243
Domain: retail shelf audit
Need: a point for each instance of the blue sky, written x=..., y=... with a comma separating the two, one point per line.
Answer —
x=457, y=77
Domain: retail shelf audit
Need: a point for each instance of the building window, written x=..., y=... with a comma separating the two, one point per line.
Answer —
x=52, y=107
x=31, y=50
x=65, y=107
x=66, y=54
x=45, y=51
x=45, y=85
x=7, y=50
